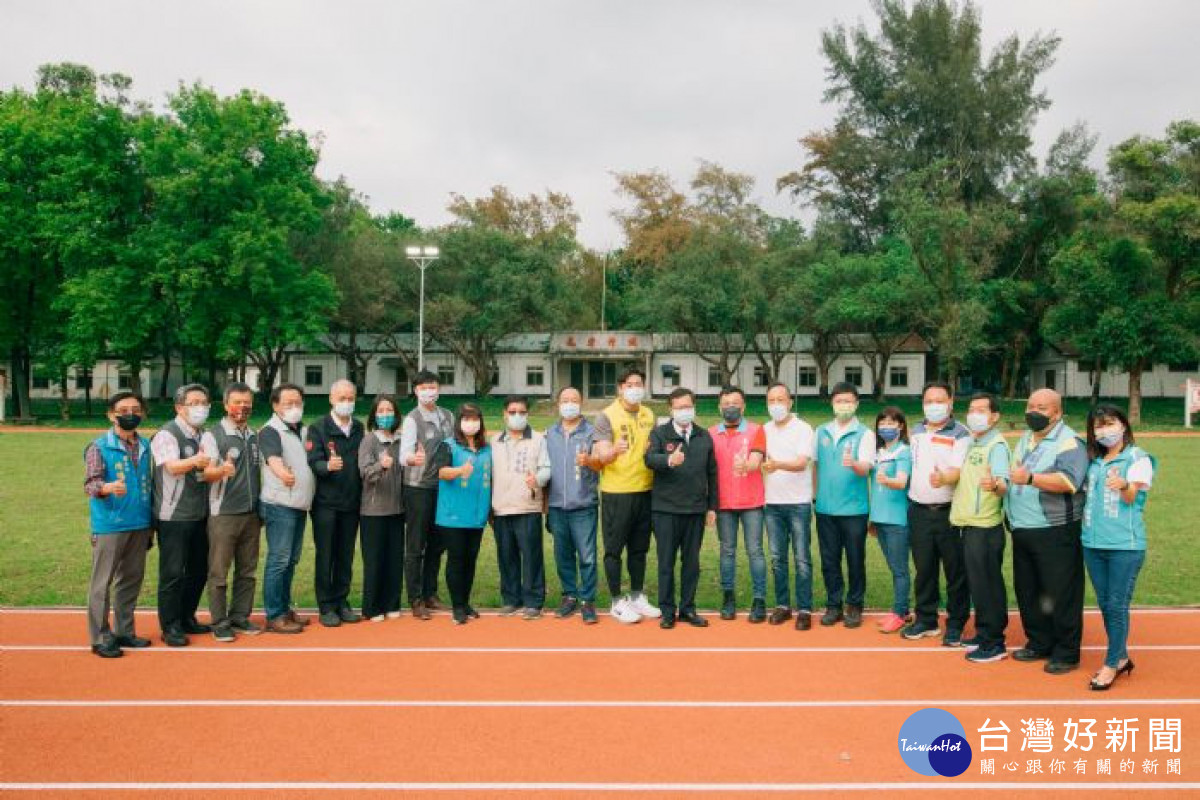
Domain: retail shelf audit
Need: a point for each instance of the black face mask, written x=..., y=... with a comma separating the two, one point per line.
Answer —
x=128, y=422
x=731, y=414
x=1036, y=422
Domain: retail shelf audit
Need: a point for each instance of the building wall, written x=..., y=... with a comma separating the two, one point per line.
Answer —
x=1072, y=378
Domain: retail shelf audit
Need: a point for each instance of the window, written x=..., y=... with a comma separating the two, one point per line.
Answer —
x=83, y=381
x=535, y=376
x=1051, y=379
x=314, y=375
x=714, y=377
x=806, y=376
x=898, y=377
x=445, y=373
x=854, y=376
x=493, y=375
x=670, y=375
x=760, y=375
x=40, y=382
x=124, y=381
x=1185, y=366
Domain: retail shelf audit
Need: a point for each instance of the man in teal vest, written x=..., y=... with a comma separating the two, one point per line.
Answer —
x=118, y=481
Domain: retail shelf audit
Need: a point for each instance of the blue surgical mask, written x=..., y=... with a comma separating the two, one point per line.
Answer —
x=385, y=421
x=889, y=434
x=1111, y=436
x=517, y=422
x=683, y=416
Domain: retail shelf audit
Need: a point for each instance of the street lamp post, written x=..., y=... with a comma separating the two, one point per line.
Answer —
x=422, y=256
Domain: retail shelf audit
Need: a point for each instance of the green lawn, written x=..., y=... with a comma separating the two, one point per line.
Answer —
x=44, y=549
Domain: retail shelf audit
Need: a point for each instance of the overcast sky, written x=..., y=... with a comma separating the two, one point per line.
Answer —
x=416, y=100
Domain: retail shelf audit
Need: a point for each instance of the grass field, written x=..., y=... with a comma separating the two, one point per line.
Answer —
x=45, y=558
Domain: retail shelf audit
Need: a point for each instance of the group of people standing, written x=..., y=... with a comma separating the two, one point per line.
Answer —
x=418, y=486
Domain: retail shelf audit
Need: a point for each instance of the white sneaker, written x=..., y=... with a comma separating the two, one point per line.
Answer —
x=377, y=618
x=642, y=607
x=624, y=613
x=393, y=615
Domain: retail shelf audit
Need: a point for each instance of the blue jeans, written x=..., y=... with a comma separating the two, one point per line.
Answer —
x=574, y=534
x=893, y=541
x=285, y=539
x=519, y=556
x=1114, y=574
x=789, y=527
x=752, y=529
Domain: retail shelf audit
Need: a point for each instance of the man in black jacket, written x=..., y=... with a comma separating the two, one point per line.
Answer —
x=332, y=447
x=682, y=502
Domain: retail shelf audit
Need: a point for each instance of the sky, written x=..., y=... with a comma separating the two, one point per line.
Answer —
x=414, y=101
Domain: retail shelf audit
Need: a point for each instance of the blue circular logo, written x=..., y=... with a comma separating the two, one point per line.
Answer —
x=933, y=742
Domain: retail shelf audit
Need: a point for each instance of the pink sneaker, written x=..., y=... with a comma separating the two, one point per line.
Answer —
x=891, y=623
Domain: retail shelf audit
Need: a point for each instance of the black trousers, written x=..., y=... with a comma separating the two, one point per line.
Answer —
x=626, y=522
x=182, y=570
x=423, y=546
x=937, y=547
x=334, y=533
x=983, y=556
x=837, y=535
x=462, y=553
x=678, y=535
x=383, y=563
x=1048, y=579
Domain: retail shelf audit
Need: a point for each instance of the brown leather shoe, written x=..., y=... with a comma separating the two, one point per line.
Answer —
x=779, y=615
x=803, y=620
x=283, y=625
x=420, y=611
x=434, y=604
x=292, y=616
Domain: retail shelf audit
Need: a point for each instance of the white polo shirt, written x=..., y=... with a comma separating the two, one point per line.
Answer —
x=789, y=442
x=945, y=448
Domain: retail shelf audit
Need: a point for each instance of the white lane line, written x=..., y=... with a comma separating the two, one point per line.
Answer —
x=358, y=786
x=1036, y=701
x=71, y=648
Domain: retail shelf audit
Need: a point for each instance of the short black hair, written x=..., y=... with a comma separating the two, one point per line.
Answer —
x=780, y=385
x=424, y=376
x=119, y=396
x=843, y=387
x=730, y=389
x=1105, y=411
x=183, y=391
x=895, y=414
x=277, y=392
x=992, y=401
x=938, y=384
x=516, y=398
x=372, y=415
x=629, y=372
x=469, y=409
x=237, y=387
x=678, y=392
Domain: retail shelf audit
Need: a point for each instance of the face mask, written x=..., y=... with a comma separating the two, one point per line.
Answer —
x=778, y=412
x=683, y=416
x=197, y=415
x=470, y=427
x=731, y=414
x=1036, y=422
x=633, y=394
x=978, y=423
x=427, y=397
x=889, y=434
x=385, y=421
x=292, y=415
x=568, y=410
x=129, y=422
x=1111, y=436
x=343, y=410
x=844, y=411
x=517, y=422
x=937, y=412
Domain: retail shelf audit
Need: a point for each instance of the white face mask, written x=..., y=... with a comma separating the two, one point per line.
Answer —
x=978, y=422
x=292, y=414
x=683, y=416
x=778, y=411
x=470, y=426
x=197, y=415
x=345, y=410
x=517, y=422
x=633, y=394
x=937, y=412
x=427, y=397
x=568, y=410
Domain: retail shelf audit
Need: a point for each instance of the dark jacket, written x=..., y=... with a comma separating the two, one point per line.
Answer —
x=691, y=487
x=341, y=490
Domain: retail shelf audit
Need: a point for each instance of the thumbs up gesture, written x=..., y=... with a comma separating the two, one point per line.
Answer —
x=988, y=482
x=1019, y=475
x=467, y=468
x=116, y=487
x=847, y=457
x=418, y=457
x=386, y=460
x=676, y=458
x=228, y=468
x=531, y=480
x=881, y=476
x=936, y=479
x=1114, y=481
x=201, y=460
x=335, y=461
x=622, y=446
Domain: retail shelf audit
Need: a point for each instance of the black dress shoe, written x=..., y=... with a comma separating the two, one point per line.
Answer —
x=135, y=642
x=1060, y=667
x=174, y=637
x=832, y=616
x=107, y=650
x=758, y=611
x=348, y=614
x=667, y=622
x=195, y=627
x=1026, y=654
x=693, y=619
x=330, y=619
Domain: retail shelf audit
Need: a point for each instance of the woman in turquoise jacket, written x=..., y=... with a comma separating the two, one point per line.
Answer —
x=1114, y=532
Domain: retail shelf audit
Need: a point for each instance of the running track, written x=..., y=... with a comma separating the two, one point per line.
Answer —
x=552, y=708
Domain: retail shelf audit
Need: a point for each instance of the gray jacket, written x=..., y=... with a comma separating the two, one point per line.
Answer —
x=381, y=491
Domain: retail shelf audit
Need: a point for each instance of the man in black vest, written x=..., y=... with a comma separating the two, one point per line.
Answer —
x=181, y=515
x=332, y=446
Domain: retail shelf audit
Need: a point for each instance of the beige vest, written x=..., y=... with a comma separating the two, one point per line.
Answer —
x=512, y=460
